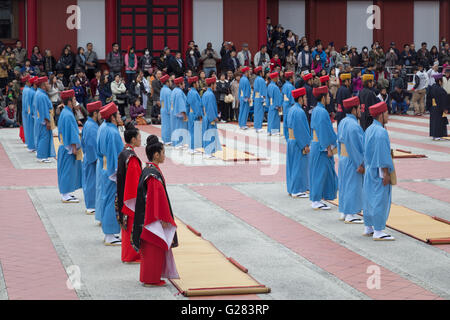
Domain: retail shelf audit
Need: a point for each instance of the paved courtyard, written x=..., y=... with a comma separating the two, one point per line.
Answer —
x=51, y=250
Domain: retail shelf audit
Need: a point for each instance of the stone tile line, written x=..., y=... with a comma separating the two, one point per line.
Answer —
x=343, y=263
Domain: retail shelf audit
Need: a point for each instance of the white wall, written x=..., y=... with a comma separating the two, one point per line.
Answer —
x=358, y=34
x=291, y=15
x=426, y=23
x=208, y=23
x=92, y=25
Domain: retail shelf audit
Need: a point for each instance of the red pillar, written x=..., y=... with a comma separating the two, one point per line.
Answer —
x=31, y=25
x=262, y=15
x=444, y=20
x=22, y=24
x=188, y=23
x=111, y=25
x=311, y=28
x=378, y=34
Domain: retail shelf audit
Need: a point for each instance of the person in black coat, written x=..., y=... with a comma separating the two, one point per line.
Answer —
x=368, y=98
x=231, y=63
x=66, y=63
x=177, y=65
x=437, y=104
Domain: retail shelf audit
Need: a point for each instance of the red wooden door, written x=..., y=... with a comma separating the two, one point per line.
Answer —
x=152, y=24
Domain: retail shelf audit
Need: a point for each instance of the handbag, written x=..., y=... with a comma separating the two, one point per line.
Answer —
x=229, y=98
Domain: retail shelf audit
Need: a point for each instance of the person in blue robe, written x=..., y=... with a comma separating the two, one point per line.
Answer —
x=88, y=145
x=259, y=95
x=172, y=115
x=43, y=133
x=109, y=146
x=275, y=105
x=180, y=131
x=299, y=139
x=322, y=177
x=69, y=151
x=164, y=97
x=194, y=102
x=379, y=175
x=31, y=116
x=351, y=162
x=244, y=98
x=288, y=100
x=99, y=175
x=211, y=142
x=25, y=108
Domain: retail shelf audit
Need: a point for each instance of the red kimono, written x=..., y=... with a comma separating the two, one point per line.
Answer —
x=129, y=199
x=156, y=240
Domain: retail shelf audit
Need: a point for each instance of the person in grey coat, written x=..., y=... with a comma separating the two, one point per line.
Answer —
x=115, y=60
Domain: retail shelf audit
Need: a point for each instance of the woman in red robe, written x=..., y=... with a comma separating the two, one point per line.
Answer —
x=129, y=169
x=154, y=229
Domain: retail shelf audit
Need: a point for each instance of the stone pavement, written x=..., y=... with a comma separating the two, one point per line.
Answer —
x=244, y=210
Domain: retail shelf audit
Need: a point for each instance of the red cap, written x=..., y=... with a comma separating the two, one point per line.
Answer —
x=324, y=79
x=257, y=69
x=288, y=74
x=178, y=80
x=33, y=80
x=94, y=106
x=192, y=79
x=298, y=93
x=164, y=78
x=378, y=108
x=41, y=80
x=308, y=76
x=211, y=80
x=67, y=94
x=245, y=69
x=108, y=110
x=273, y=75
x=320, y=90
x=351, y=102
x=26, y=78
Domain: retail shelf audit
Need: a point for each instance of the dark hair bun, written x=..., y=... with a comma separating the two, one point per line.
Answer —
x=152, y=140
x=129, y=126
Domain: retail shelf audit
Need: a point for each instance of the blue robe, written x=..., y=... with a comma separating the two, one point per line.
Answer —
x=164, y=97
x=172, y=116
x=297, y=171
x=288, y=102
x=244, y=101
x=109, y=145
x=377, y=155
x=259, y=93
x=275, y=102
x=25, y=92
x=69, y=169
x=89, y=144
x=180, y=132
x=43, y=137
x=322, y=176
x=351, y=135
x=30, y=119
x=99, y=176
x=211, y=141
x=194, y=102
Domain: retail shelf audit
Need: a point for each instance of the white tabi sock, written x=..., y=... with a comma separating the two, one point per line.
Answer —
x=368, y=230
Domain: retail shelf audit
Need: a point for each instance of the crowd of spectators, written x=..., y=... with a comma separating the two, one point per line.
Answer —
x=131, y=78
